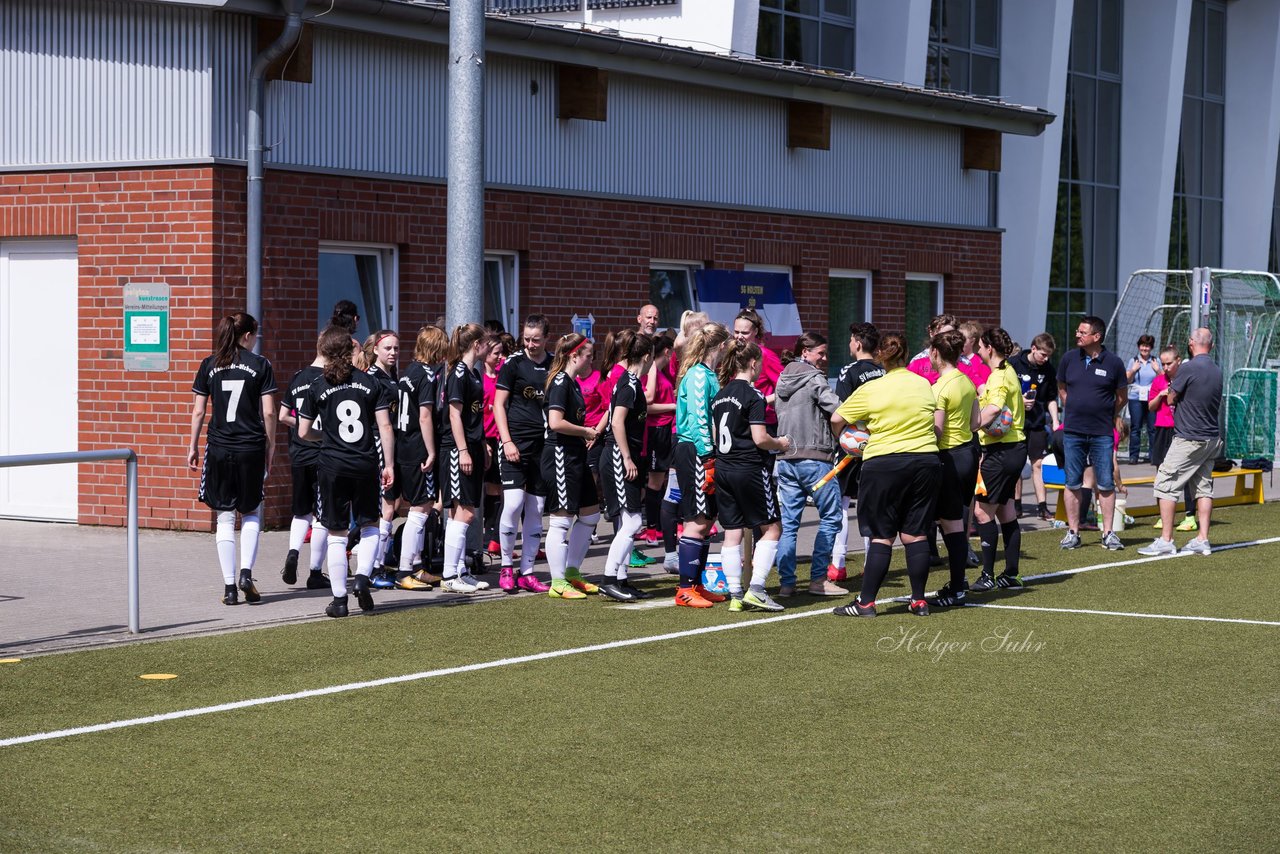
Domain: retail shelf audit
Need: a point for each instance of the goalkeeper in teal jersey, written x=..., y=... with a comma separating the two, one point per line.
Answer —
x=693, y=460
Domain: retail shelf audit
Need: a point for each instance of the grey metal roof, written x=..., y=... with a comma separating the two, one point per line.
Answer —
x=428, y=20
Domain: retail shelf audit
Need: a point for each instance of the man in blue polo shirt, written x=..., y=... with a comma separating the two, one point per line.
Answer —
x=1092, y=385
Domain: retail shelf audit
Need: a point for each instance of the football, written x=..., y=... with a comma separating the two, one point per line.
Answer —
x=853, y=439
x=1000, y=424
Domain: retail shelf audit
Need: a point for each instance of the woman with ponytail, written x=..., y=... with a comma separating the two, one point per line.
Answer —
x=694, y=461
x=571, y=490
x=745, y=489
x=464, y=456
x=353, y=411
x=238, y=446
x=624, y=466
x=1003, y=456
x=381, y=350
x=416, y=448
x=954, y=421
x=898, y=487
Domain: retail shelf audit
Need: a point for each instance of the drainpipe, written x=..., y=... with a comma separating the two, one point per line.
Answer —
x=464, y=240
x=257, y=97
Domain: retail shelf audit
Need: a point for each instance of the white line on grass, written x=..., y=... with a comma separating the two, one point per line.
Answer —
x=600, y=647
x=394, y=680
x=1122, y=614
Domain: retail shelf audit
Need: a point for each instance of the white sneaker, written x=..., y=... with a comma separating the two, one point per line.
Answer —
x=671, y=563
x=1198, y=546
x=1159, y=547
x=458, y=585
x=474, y=582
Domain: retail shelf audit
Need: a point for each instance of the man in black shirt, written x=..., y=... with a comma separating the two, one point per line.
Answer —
x=1040, y=396
x=1092, y=383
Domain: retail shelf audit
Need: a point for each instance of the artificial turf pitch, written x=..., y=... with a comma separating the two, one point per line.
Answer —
x=1078, y=731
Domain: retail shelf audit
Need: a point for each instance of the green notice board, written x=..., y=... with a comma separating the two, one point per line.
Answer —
x=146, y=326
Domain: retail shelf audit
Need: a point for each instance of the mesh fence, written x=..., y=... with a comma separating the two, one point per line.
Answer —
x=1244, y=314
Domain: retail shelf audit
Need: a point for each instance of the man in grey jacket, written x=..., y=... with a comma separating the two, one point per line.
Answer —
x=804, y=403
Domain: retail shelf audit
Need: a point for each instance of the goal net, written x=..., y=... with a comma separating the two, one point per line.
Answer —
x=1243, y=310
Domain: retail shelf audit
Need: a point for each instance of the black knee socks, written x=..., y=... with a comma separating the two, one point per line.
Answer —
x=492, y=513
x=988, y=535
x=957, y=557
x=1012, y=534
x=917, y=567
x=690, y=561
x=875, y=569
x=653, y=507
x=669, y=513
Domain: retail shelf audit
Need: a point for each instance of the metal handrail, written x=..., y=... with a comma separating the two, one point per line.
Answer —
x=131, y=473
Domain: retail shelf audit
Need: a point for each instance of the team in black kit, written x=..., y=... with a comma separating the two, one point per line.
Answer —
x=368, y=442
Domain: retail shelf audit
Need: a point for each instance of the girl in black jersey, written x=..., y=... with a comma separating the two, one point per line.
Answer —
x=381, y=351
x=864, y=338
x=517, y=412
x=463, y=452
x=303, y=457
x=351, y=410
x=571, y=488
x=416, y=448
x=238, y=447
x=745, y=491
x=624, y=466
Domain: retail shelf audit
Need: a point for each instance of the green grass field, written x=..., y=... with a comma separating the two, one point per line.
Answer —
x=1084, y=731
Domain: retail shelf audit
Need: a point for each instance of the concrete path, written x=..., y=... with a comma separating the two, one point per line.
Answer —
x=63, y=586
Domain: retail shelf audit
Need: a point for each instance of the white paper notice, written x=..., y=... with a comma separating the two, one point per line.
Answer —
x=144, y=330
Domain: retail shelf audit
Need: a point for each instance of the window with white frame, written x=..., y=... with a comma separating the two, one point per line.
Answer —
x=671, y=289
x=922, y=301
x=501, y=290
x=848, y=302
x=365, y=274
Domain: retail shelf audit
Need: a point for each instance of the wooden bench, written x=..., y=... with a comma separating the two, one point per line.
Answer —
x=1245, y=493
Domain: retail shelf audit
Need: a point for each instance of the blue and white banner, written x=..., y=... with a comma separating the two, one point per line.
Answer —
x=723, y=293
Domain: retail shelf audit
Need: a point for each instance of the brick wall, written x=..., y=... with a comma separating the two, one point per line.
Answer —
x=186, y=226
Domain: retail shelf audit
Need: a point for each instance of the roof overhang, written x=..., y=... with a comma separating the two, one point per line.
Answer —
x=584, y=45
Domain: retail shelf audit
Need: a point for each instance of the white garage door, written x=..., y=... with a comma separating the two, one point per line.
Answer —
x=39, y=359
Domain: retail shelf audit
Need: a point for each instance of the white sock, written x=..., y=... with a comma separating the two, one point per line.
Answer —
x=413, y=528
x=366, y=550
x=250, y=524
x=629, y=525
x=762, y=562
x=337, y=549
x=319, y=544
x=731, y=563
x=558, y=546
x=298, y=532
x=580, y=539
x=840, y=548
x=512, y=506
x=455, y=543
x=531, y=532
x=384, y=541
x=225, y=539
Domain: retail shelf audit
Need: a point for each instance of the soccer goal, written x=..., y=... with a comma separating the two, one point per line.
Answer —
x=1242, y=307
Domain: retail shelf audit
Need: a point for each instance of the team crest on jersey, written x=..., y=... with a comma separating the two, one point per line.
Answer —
x=533, y=393
x=477, y=406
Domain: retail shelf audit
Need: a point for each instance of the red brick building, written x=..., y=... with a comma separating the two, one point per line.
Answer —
x=888, y=201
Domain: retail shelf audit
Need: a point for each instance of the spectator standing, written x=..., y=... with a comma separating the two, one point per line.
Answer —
x=1142, y=371
x=1091, y=386
x=1039, y=382
x=1163, y=416
x=1196, y=394
x=647, y=320
x=805, y=405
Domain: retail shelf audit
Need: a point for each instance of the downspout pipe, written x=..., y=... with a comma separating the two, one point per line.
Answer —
x=253, y=127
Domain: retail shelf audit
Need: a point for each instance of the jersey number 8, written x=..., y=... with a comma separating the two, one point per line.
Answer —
x=350, y=427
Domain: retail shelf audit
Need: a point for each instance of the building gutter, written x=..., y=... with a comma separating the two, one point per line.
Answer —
x=255, y=148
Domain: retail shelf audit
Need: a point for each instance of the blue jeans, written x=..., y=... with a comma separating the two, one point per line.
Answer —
x=1140, y=418
x=1083, y=451
x=795, y=483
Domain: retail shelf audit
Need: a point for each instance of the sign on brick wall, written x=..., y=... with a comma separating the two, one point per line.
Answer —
x=146, y=326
